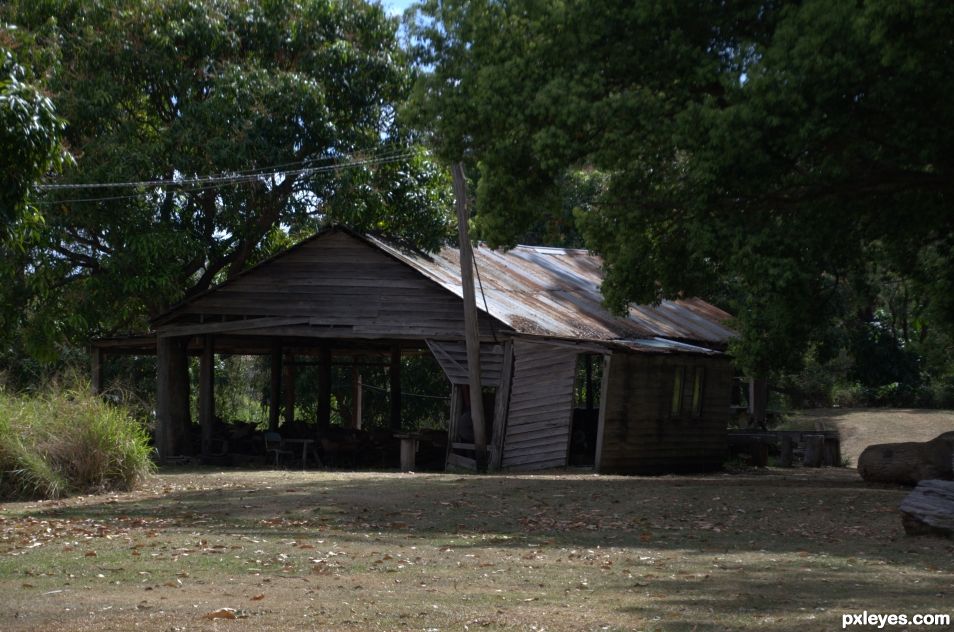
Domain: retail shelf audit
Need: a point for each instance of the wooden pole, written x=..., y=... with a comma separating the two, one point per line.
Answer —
x=288, y=384
x=172, y=399
x=471, y=335
x=207, y=393
x=275, y=388
x=356, y=396
x=394, y=373
x=324, y=388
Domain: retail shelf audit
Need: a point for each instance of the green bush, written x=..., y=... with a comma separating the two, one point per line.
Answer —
x=64, y=442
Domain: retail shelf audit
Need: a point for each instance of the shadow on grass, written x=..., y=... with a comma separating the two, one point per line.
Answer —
x=821, y=512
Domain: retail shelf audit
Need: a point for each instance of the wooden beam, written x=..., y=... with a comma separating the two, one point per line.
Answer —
x=471, y=333
x=324, y=388
x=288, y=384
x=275, y=387
x=96, y=371
x=394, y=374
x=207, y=393
x=229, y=325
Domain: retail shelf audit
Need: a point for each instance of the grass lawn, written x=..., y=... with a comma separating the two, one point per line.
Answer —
x=768, y=550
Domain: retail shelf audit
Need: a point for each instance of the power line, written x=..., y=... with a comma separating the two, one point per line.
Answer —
x=210, y=182
x=236, y=177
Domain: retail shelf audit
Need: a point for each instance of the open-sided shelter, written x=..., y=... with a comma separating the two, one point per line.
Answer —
x=663, y=396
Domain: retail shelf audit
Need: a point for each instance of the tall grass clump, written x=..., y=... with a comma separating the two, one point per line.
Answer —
x=62, y=442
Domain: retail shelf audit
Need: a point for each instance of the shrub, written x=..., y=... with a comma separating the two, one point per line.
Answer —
x=68, y=441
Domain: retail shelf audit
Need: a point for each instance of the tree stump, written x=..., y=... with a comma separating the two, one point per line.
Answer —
x=929, y=509
x=908, y=463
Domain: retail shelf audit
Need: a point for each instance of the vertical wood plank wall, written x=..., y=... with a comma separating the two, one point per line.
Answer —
x=541, y=407
x=638, y=434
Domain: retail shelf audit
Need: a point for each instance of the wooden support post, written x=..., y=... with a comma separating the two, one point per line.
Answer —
x=324, y=388
x=394, y=375
x=96, y=371
x=288, y=384
x=604, y=400
x=172, y=399
x=207, y=393
x=275, y=388
x=471, y=334
x=787, y=454
x=501, y=407
x=357, y=396
x=758, y=402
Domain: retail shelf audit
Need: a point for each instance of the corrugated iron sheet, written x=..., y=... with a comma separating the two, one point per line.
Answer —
x=556, y=292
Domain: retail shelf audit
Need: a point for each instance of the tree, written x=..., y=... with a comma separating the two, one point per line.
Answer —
x=292, y=103
x=29, y=130
x=762, y=154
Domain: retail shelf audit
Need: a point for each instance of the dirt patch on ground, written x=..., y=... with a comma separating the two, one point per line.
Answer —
x=862, y=427
x=767, y=550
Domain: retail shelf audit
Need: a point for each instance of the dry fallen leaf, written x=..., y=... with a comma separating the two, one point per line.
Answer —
x=258, y=597
x=221, y=613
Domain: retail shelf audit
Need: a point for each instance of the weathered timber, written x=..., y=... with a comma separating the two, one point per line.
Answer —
x=908, y=463
x=814, y=454
x=357, y=396
x=275, y=386
x=787, y=454
x=637, y=434
x=471, y=333
x=324, y=389
x=336, y=278
x=501, y=407
x=288, y=389
x=207, y=394
x=929, y=509
x=539, y=408
x=394, y=392
x=172, y=399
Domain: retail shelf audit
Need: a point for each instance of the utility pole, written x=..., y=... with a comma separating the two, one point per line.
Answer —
x=471, y=336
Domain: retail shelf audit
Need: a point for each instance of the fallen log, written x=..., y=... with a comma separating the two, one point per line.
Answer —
x=908, y=463
x=929, y=509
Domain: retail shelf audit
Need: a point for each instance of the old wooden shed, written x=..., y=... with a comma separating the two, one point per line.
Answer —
x=661, y=403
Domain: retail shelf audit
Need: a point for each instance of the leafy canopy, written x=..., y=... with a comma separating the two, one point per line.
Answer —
x=762, y=154
x=29, y=130
x=178, y=89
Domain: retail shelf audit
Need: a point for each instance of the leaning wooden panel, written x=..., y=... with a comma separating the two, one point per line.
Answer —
x=528, y=443
x=648, y=422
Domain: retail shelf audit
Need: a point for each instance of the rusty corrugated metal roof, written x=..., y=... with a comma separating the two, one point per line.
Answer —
x=556, y=292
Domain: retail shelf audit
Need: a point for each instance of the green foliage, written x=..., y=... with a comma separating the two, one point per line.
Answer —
x=762, y=155
x=175, y=89
x=29, y=130
x=63, y=442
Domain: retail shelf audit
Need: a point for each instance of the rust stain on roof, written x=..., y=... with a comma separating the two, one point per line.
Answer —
x=556, y=291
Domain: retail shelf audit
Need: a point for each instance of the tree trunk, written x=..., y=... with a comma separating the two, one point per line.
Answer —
x=908, y=463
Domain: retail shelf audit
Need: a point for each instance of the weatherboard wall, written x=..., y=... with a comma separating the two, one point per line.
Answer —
x=639, y=434
x=336, y=285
